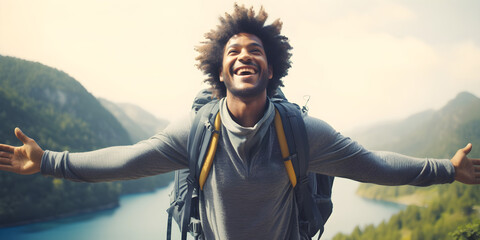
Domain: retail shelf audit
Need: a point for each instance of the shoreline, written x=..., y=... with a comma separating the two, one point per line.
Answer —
x=402, y=200
x=108, y=206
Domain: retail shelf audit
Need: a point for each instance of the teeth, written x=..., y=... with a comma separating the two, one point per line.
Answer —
x=245, y=71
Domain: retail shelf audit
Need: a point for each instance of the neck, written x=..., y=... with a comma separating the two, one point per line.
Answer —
x=246, y=112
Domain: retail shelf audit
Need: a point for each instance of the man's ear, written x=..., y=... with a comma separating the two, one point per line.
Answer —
x=220, y=74
x=270, y=72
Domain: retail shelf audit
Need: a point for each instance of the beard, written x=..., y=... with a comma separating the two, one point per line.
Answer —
x=256, y=90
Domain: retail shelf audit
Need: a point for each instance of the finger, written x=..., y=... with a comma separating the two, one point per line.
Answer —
x=467, y=148
x=20, y=135
x=475, y=161
x=5, y=161
x=6, y=148
x=8, y=168
x=6, y=155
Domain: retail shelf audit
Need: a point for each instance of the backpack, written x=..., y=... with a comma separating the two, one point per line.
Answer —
x=312, y=191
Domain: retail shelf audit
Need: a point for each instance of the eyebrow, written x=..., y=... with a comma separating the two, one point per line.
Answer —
x=250, y=44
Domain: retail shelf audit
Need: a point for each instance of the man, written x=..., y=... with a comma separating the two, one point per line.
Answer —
x=248, y=194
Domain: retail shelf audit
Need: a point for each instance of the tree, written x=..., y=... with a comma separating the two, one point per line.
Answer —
x=469, y=231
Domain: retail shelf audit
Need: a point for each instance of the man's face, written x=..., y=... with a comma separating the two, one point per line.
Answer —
x=245, y=70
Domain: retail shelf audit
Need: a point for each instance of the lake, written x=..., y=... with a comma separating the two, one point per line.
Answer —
x=143, y=216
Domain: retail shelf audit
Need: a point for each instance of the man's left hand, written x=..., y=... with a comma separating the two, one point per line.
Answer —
x=467, y=170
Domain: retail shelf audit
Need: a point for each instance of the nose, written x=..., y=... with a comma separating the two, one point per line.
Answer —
x=245, y=56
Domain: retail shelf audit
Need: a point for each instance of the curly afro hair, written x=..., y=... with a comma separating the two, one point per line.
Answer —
x=243, y=20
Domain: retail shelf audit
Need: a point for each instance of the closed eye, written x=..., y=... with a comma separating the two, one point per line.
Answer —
x=232, y=52
x=257, y=51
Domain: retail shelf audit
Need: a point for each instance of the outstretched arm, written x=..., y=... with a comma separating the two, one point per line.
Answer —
x=164, y=152
x=467, y=170
x=146, y=158
x=336, y=155
x=22, y=160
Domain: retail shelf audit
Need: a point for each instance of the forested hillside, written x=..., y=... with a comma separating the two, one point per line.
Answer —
x=438, y=210
x=60, y=114
x=53, y=108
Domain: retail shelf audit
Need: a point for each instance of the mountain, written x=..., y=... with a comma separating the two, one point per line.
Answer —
x=61, y=115
x=441, y=209
x=139, y=123
x=430, y=133
x=54, y=109
x=435, y=134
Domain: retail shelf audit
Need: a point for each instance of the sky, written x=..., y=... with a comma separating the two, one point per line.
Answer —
x=361, y=62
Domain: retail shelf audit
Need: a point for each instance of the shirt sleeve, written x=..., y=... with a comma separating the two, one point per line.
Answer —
x=164, y=152
x=335, y=155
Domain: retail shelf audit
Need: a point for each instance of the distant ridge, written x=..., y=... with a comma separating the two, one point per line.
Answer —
x=430, y=133
x=139, y=123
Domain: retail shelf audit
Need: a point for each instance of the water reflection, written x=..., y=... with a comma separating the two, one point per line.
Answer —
x=143, y=216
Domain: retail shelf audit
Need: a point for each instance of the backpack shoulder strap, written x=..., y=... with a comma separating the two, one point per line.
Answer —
x=203, y=136
x=310, y=218
x=201, y=146
x=212, y=148
x=201, y=133
x=282, y=140
x=297, y=148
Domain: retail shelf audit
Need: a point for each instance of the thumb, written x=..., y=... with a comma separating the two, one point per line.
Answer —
x=467, y=148
x=21, y=136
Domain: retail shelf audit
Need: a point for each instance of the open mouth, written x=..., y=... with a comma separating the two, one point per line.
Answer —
x=245, y=71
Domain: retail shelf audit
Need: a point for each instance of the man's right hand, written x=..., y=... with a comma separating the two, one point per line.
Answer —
x=22, y=160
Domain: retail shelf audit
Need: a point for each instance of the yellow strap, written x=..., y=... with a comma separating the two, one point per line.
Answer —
x=284, y=148
x=212, y=148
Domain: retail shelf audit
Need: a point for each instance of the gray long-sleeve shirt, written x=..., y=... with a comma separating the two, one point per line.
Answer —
x=248, y=194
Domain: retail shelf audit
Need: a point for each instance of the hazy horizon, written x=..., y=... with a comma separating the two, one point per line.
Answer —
x=361, y=62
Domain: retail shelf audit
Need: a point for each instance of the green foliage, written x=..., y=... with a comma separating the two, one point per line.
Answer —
x=55, y=110
x=451, y=210
x=469, y=231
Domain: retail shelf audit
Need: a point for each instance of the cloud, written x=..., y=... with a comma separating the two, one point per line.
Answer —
x=356, y=58
x=463, y=62
x=358, y=74
x=371, y=76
